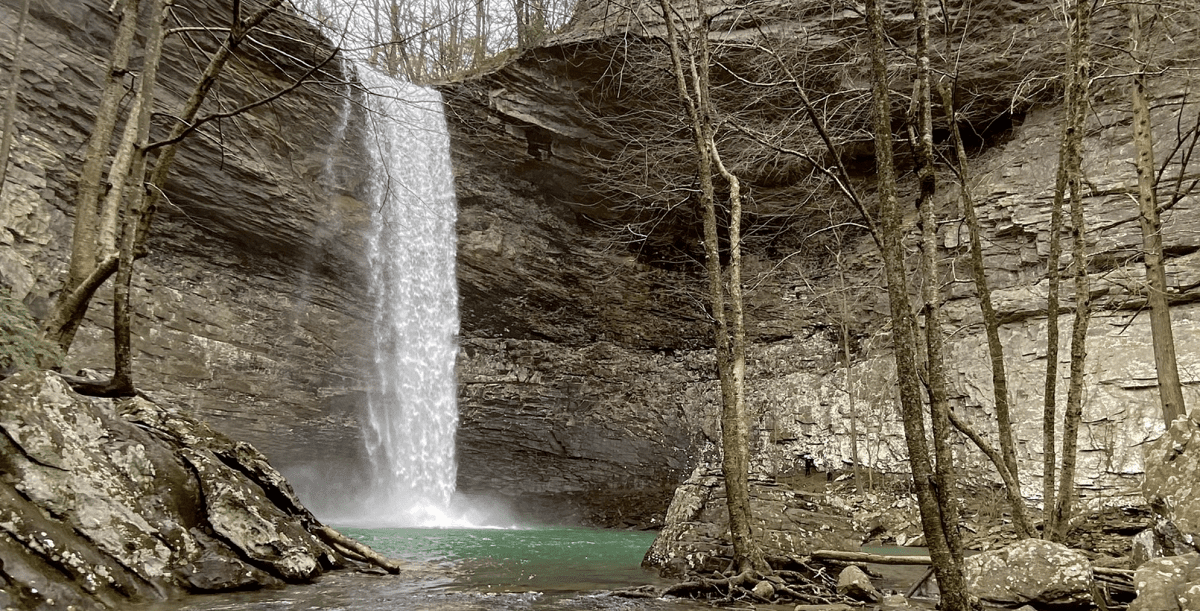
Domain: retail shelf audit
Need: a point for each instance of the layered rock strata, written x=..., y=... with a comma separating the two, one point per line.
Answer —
x=584, y=380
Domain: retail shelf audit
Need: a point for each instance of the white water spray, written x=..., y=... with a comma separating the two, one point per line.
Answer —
x=412, y=416
x=412, y=412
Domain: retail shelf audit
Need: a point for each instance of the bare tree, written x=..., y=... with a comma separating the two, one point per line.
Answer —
x=112, y=227
x=695, y=90
x=946, y=563
x=1070, y=177
x=426, y=40
x=1170, y=390
x=1004, y=460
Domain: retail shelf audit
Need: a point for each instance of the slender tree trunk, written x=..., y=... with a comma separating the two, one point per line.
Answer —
x=481, y=34
x=948, y=571
x=946, y=487
x=1170, y=391
x=122, y=381
x=1073, y=412
x=14, y=85
x=1007, y=465
x=845, y=329
x=69, y=308
x=1067, y=145
x=730, y=343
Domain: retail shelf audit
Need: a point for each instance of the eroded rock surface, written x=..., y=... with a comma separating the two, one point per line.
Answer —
x=785, y=523
x=105, y=502
x=1043, y=574
x=1172, y=487
x=1168, y=584
x=585, y=384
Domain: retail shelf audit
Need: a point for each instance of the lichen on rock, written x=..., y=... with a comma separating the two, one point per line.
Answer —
x=133, y=500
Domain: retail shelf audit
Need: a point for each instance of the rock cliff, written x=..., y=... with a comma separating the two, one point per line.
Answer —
x=585, y=387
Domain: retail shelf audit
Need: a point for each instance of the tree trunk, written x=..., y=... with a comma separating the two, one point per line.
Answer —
x=481, y=34
x=1073, y=413
x=1007, y=465
x=1170, y=391
x=730, y=343
x=122, y=381
x=69, y=309
x=949, y=573
x=946, y=487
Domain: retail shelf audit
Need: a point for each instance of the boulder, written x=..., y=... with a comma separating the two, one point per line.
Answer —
x=1172, y=488
x=695, y=537
x=1040, y=573
x=854, y=583
x=1168, y=584
x=1145, y=547
x=764, y=590
x=103, y=503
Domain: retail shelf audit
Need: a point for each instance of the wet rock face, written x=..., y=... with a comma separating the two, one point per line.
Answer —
x=584, y=380
x=251, y=305
x=1039, y=573
x=111, y=502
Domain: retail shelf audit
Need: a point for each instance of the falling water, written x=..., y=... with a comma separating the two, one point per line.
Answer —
x=412, y=413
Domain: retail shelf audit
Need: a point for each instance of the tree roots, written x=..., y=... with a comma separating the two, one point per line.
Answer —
x=791, y=580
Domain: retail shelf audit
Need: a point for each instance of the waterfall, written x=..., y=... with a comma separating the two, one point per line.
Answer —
x=411, y=418
x=412, y=411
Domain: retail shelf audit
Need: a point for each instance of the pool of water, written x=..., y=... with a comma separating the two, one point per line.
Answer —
x=485, y=569
x=557, y=559
x=474, y=570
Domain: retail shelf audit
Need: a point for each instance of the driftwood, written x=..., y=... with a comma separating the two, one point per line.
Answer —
x=337, y=539
x=865, y=557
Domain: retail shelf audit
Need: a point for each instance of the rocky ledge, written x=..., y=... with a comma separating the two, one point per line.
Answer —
x=103, y=503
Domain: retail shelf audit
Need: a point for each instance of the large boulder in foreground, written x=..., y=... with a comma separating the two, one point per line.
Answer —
x=105, y=502
x=785, y=523
x=1034, y=572
x=1172, y=487
x=1168, y=584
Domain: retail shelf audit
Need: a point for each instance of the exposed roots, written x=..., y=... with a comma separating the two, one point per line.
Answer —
x=791, y=580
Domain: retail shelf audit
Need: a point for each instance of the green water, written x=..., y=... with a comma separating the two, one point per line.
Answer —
x=552, y=559
x=533, y=569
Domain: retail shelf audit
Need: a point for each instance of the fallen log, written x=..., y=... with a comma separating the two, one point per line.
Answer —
x=336, y=538
x=866, y=557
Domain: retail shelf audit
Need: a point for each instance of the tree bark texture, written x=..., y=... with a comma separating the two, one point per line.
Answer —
x=1007, y=463
x=949, y=573
x=68, y=312
x=1073, y=412
x=921, y=116
x=1170, y=391
x=729, y=343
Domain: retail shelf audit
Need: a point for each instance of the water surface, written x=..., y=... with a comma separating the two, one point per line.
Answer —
x=472, y=570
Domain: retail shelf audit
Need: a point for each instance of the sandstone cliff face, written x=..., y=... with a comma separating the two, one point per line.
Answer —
x=797, y=388
x=583, y=375
x=253, y=307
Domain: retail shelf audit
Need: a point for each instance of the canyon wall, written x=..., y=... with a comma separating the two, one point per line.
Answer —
x=586, y=391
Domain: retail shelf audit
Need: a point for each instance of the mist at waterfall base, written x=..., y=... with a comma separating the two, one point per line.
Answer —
x=411, y=415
